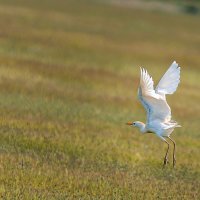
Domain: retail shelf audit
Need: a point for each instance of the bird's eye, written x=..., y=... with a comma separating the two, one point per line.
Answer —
x=134, y=123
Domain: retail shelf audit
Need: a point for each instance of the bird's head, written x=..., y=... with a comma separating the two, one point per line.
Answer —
x=131, y=123
x=137, y=124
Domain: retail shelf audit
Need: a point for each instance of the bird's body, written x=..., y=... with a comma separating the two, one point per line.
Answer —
x=154, y=101
x=161, y=129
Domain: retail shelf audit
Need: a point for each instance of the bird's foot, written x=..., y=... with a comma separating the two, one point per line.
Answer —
x=174, y=161
x=165, y=161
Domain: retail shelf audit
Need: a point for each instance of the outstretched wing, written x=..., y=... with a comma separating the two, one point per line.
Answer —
x=155, y=105
x=170, y=80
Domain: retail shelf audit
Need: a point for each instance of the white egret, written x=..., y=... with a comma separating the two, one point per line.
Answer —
x=158, y=111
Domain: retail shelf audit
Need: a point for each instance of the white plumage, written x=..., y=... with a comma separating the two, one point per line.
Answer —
x=154, y=101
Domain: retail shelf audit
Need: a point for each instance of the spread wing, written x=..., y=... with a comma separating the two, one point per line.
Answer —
x=170, y=80
x=155, y=105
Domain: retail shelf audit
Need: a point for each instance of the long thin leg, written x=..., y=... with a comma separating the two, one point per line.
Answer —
x=166, y=155
x=174, y=158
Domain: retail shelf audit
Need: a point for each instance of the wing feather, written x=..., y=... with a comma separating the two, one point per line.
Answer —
x=154, y=104
x=170, y=80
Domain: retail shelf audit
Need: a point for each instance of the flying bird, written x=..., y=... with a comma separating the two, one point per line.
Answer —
x=158, y=111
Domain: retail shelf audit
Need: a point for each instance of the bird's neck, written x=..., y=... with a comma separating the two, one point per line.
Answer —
x=142, y=127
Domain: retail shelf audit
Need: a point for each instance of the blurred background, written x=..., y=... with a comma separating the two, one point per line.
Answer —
x=69, y=73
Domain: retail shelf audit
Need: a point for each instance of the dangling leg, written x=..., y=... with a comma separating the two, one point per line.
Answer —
x=174, y=158
x=166, y=155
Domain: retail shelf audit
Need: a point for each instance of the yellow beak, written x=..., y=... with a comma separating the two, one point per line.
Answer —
x=129, y=123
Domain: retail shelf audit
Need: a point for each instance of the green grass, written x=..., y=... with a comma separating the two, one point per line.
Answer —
x=69, y=72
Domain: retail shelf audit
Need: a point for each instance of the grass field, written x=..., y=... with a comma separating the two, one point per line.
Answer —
x=69, y=72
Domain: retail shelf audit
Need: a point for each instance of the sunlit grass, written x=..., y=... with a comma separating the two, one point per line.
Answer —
x=69, y=73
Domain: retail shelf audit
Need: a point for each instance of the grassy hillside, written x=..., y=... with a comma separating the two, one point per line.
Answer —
x=69, y=72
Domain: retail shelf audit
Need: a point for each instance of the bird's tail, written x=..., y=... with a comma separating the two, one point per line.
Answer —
x=175, y=124
x=178, y=125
